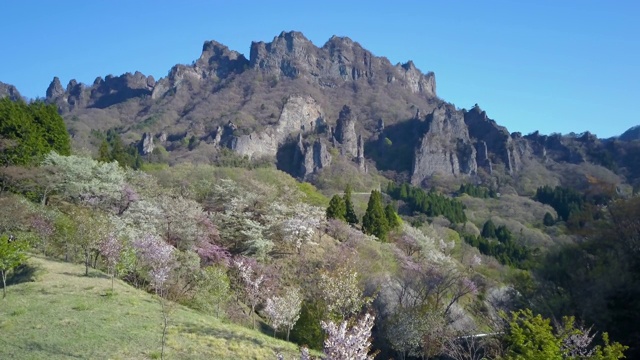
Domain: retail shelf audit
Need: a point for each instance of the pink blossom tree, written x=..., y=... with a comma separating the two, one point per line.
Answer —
x=253, y=284
x=284, y=311
x=111, y=250
x=348, y=343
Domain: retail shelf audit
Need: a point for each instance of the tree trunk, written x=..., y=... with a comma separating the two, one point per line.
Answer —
x=87, y=260
x=4, y=284
x=288, y=331
x=164, y=326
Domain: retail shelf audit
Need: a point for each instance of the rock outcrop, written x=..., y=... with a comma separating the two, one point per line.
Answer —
x=299, y=114
x=292, y=55
x=446, y=148
x=102, y=93
x=10, y=91
x=146, y=144
x=501, y=146
x=345, y=133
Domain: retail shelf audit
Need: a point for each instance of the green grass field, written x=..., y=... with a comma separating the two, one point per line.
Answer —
x=65, y=315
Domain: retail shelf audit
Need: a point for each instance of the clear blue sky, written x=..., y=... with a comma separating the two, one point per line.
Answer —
x=553, y=66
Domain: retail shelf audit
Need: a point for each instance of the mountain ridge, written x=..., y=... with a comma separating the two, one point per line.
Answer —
x=285, y=101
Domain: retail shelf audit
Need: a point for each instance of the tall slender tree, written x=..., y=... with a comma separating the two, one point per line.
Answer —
x=336, y=209
x=350, y=212
x=375, y=221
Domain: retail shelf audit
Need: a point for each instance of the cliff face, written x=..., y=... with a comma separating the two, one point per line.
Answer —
x=446, y=148
x=9, y=91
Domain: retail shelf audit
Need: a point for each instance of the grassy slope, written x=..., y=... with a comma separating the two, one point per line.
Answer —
x=64, y=314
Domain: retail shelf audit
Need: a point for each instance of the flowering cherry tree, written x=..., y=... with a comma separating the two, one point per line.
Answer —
x=252, y=283
x=284, y=311
x=111, y=249
x=342, y=293
x=348, y=343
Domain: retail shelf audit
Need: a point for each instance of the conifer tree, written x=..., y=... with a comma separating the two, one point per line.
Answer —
x=336, y=209
x=392, y=217
x=375, y=221
x=350, y=213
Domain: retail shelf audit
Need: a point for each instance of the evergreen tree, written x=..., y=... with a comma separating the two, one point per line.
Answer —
x=489, y=230
x=336, y=209
x=392, y=217
x=548, y=220
x=375, y=221
x=350, y=213
x=103, y=152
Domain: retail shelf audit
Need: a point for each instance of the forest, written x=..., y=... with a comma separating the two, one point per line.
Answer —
x=341, y=277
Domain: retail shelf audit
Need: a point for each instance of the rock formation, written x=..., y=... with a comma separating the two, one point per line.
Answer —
x=345, y=133
x=445, y=149
x=9, y=91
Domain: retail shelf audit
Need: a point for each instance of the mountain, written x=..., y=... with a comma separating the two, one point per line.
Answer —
x=305, y=107
x=631, y=134
x=9, y=91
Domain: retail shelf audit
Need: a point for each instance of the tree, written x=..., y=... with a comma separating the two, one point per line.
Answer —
x=342, y=292
x=158, y=258
x=375, y=221
x=111, y=249
x=213, y=289
x=34, y=130
x=350, y=213
x=392, y=217
x=284, y=311
x=532, y=337
x=548, y=220
x=337, y=208
x=348, y=343
x=488, y=230
x=253, y=284
x=12, y=254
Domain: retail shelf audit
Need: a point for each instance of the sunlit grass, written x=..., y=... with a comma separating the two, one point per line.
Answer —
x=64, y=314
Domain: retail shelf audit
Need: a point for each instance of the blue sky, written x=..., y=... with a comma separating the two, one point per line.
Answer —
x=553, y=66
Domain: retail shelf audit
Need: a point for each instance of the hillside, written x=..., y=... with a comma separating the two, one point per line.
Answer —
x=62, y=314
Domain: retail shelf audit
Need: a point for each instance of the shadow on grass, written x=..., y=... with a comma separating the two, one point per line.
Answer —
x=24, y=273
x=92, y=274
x=50, y=350
x=219, y=333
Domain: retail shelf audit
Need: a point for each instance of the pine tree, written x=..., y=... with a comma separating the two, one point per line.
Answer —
x=350, y=213
x=548, y=220
x=336, y=209
x=103, y=152
x=375, y=221
x=392, y=217
x=489, y=230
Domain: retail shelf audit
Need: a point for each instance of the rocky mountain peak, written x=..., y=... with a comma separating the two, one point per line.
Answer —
x=216, y=56
x=55, y=89
x=10, y=91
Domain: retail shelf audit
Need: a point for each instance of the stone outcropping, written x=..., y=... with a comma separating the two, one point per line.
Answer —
x=10, y=91
x=299, y=114
x=345, y=133
x=497, y=145
x=446, y=148
x=292, y=55
x=103, y=93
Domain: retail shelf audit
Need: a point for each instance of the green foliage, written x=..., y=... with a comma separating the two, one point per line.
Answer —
x=350, y=213
x=430, y=203
x=477, y=191
x=489, y=229
x=375, y=221
x=505, y=250
x=29, y=132
x=392, y=217
x=113, y=149
x=564, y=200
x=307, y=331
x=531, y=337
x=548, y=220
x=337, y=208
x=12, y=254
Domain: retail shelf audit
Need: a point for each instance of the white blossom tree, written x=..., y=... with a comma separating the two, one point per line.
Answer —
x=159, y=259
x=342, y=293
x=111, y=250
x=284, y=311
x=252, y=284
x=352, y=343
